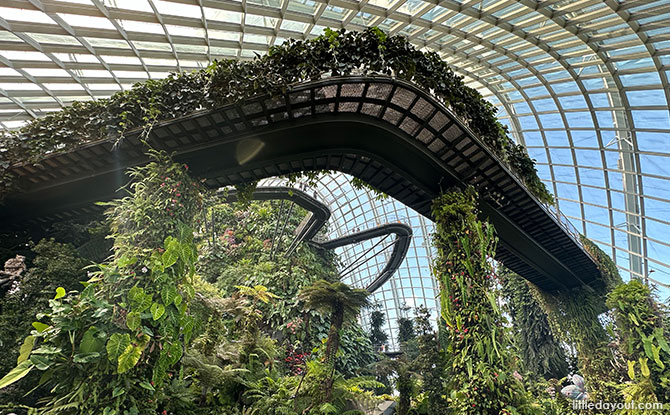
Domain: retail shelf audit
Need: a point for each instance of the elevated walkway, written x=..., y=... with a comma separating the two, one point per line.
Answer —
x=385, y=131
x=318, y=215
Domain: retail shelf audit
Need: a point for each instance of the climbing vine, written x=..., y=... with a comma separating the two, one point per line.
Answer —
x=227, y=81
x=481, y=360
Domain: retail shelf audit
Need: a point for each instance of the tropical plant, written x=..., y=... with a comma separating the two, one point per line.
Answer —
x=343, y=303
x=304, y=394
x=109, y=348
x=55, y=265
x=481, y=360
x=430, y=366
x=378, y=336
x=403, y=364
x=643, y=342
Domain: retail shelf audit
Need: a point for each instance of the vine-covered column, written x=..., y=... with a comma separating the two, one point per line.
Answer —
x=541, y=351
x=575, y=318
x=481, y=360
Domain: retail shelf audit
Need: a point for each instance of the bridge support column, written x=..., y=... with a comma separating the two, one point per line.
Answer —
x=480, y=364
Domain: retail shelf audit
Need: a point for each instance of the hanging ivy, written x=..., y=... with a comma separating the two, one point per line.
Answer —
x=542, y=354
x=481, y=360
x=228, y=81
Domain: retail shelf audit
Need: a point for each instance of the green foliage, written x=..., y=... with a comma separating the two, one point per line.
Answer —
x=162, y=198
x=378, y=336
x=607, y=267
x=55, y=265
x=574, y=317
x=481, y=359
x=302, y=394
x=101, y=346
x=235, y=248
x=335, y=53
x=542, y=353
x=404, y=364
x=643, y=342
x=343, y=303
x=430, y=366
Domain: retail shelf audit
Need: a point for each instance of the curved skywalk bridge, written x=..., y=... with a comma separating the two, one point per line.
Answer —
x=317, y=216
x=385, y=131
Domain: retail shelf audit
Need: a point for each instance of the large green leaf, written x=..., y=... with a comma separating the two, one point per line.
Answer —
x=168, y=294
x=157, y=310
x=85, y=357
x=146, y=385
x=143, y=303
x=60, y=293
x=16, y=374
x=646, y=343
x=26, y=348
x=129, y=358
x=643, y=366
x=92, y=341
x=133, y=320
x=658, y=333
x=174, y=353
x=657, y=356
x=171, y=254
x=116, y=345
x=40, y=327
x=41, y=362
x=139, y=300
x=134, y=294
x=631, y=370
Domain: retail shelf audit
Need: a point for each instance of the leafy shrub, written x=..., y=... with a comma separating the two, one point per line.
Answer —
x=55, y=265
x=110, y=348
x=643, y=342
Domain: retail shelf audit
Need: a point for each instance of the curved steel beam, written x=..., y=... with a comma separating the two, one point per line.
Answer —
x=318, y=215
x=318, y=211
x=401, y=243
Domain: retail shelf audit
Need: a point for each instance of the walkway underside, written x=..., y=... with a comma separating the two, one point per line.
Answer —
x=387, y=132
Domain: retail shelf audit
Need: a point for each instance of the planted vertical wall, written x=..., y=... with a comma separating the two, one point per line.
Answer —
x=111, y=348
x=481, y=361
